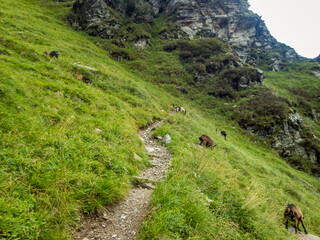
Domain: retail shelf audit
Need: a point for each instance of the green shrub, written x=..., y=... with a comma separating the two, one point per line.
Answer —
x=263, y=110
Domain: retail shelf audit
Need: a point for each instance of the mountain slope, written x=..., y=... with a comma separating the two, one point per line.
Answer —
x=67, y=148
x=208, y=66
x=55, y=162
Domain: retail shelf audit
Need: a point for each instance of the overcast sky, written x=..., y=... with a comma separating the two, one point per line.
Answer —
x=293, y=22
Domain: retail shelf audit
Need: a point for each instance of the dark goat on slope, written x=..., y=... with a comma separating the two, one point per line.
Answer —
x=223, y=133
x=52, y=54
x=294, y=213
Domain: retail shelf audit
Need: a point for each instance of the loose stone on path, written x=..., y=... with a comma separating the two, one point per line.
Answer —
x=122, y=220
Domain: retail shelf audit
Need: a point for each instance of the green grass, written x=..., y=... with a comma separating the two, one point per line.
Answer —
x=248, y=185
x=297, y=83
x=55, y=167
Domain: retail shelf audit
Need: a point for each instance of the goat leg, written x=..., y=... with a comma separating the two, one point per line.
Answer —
x=305, y=230
x=204, y=143
x=296, y=225
x=286, y=219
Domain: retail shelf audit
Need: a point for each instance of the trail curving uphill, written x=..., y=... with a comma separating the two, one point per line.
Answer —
x=122, y=220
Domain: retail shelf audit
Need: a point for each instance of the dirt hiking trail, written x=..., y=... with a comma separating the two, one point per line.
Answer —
x=302, y=235
x=122, y=220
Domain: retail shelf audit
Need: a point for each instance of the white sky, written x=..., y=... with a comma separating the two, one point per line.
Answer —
x=293, y=22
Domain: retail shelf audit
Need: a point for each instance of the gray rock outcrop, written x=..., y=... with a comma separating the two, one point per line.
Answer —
x=97, y=18
x=289, y=136
x=228, y=20
x=290, y=140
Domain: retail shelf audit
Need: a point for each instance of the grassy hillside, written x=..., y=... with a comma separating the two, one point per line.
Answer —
x=298, y=83
x=237, y=191
x=56, y=164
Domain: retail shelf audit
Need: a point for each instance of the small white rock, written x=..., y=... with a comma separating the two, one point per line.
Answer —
x=167, y=139
x=149, y=149
x=98, y=130
x=137, y=157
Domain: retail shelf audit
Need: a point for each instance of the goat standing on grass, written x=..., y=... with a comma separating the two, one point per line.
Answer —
x=206, y=141
x=223, y=133
x=179, y=109
x=52, y=54
x=83, y=78
x=294, y=213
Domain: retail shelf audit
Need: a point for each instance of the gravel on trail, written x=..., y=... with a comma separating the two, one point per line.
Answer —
x=122, y=220
x=302, y=235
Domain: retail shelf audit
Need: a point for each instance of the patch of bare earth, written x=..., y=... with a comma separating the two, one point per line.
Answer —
x=123, y=219
x=302, y=235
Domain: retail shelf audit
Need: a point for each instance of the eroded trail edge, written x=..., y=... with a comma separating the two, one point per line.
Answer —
x=123, y=219
x=302, y=235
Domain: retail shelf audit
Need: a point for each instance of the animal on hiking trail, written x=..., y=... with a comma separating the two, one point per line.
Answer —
x=83, y=78
x=179, y=109
x=206, y=141
x=223, y=133
x=52, y=54
x=294, y=213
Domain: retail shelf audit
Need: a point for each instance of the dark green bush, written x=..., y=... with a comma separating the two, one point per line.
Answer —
x=263, y=110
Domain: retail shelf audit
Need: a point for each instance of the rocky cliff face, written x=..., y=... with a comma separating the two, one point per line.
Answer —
x=291, y=140
x=229, y=20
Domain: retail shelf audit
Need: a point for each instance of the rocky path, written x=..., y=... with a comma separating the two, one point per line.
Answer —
x=123, y=219
x=302, y=235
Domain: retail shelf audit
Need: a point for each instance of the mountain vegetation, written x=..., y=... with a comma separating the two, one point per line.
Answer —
x=68, y=148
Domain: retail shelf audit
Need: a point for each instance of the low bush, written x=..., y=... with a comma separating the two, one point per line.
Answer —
x=264, y=110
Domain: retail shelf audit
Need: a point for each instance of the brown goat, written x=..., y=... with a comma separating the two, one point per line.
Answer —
x=223, y=133
x=206, y=141
x=83, y=78
x=294, y=213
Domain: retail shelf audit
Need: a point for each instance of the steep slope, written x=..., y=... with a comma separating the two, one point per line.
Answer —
x=237, y=191
x=209, y=66
x=67, y=148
